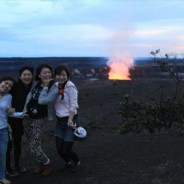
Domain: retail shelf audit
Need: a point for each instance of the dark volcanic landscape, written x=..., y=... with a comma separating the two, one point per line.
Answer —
x=108, y=157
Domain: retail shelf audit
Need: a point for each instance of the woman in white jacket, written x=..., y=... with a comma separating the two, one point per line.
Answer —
x=65, y=95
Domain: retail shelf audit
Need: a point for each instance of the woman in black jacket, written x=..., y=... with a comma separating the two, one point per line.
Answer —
x=19, y=94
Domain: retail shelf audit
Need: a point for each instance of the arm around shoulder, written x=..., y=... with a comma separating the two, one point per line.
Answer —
x=46, y=96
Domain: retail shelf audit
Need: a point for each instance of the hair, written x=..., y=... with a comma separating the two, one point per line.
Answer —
x=5, y=78
x=39, y=69
x=22, y=69
x=60, y=68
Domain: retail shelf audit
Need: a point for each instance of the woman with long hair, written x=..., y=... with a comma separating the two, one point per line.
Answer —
x=19, y=93
x=35, y=124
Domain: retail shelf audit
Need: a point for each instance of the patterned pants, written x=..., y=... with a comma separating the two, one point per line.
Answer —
x=34, y=129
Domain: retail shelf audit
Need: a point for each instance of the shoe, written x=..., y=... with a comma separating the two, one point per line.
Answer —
x=12, y=173
x=21, y=170
x=67, y=167
x=76, y=167
x=5, y=181
x=39, y=168
x=47, y=169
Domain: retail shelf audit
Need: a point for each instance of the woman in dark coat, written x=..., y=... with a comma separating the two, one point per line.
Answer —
x=19, y=94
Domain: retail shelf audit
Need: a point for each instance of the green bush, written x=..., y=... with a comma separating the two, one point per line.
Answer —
x=138, y=115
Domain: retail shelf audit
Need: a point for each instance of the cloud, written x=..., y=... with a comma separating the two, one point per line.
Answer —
x=94, y=25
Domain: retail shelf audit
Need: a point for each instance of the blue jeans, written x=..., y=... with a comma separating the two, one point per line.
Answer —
x=3, y=147
x=63, y=131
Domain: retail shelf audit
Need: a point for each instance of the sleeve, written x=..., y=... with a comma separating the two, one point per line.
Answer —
x=46, y=97
x=17, y=115
x=29, y=96
x=9, y=101
x=73, y=96
x=27, y=100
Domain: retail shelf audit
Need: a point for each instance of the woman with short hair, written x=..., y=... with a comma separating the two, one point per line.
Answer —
x=6, y=84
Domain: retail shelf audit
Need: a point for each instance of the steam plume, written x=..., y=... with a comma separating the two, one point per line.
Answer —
x=121, y=59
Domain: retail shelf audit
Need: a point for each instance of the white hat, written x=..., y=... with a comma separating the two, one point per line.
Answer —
x=80, y=132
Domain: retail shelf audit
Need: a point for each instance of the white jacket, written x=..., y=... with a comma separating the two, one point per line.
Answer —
x=62, y=107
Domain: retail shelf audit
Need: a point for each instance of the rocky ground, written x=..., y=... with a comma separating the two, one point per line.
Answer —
x=106, y=156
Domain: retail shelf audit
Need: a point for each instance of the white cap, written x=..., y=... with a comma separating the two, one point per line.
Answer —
x=80, y=132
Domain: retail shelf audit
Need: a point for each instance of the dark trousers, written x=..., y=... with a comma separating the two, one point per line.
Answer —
x=15, y=145
x=65, y=151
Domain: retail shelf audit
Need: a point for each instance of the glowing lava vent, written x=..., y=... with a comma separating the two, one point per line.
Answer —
x=119, y=68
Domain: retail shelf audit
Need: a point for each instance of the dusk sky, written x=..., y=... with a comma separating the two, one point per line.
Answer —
x=31, y=28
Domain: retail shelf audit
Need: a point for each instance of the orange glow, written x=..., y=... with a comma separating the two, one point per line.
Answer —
x=119, y=69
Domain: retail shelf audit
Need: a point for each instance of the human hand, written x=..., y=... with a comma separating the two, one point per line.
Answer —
x=10, y=111
x=72, y=125
x=46, y=82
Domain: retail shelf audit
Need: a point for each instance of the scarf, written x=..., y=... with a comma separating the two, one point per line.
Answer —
x=61, y=89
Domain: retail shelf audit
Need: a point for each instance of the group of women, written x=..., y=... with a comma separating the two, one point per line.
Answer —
x=25, y=106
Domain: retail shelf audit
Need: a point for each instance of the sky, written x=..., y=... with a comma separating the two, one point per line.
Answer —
x=101, y=28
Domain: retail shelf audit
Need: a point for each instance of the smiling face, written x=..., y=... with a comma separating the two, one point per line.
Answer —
x=5, y=86
x=26, y=77
x=62, y=77
x=45, y=74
